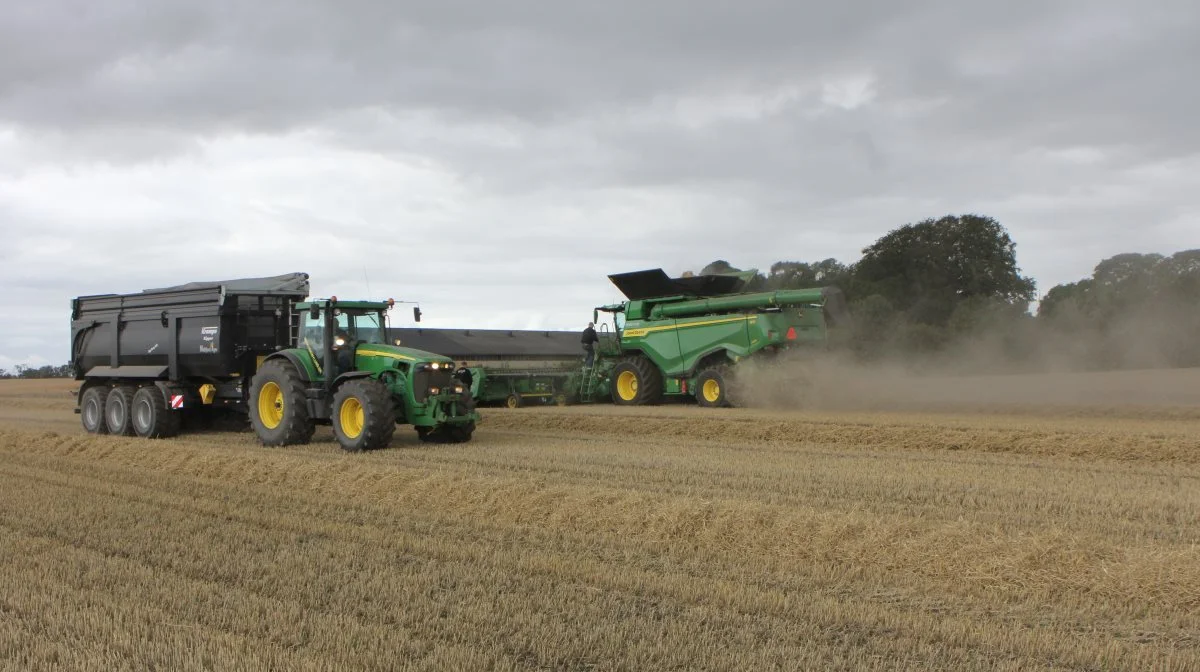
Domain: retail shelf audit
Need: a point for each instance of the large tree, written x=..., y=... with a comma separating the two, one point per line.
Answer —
x=927, y=269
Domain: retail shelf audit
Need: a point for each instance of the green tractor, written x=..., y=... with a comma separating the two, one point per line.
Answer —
x=681, y=337
x=343, y=372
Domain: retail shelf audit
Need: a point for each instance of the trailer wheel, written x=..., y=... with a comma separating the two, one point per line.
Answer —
x=116, y=410
x=150, y=416
x=712, y=388
x=91, y=411
x=636, y=381
x=514, y=401
x=278, y=409
x=363, y=415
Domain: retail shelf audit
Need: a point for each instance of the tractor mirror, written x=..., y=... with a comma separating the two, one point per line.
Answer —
x=416, y=313
x=314, y=312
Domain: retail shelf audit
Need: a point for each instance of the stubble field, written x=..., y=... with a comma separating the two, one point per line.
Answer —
x=601, y=538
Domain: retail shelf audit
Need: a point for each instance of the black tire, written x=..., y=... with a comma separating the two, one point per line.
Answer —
x=636, y=381
x=713, y=388
x=447, y=433
x=91, y=410
x=278, y=385
x=364, y=417
x=150, y=416
x=117, y=413
x=514, y=400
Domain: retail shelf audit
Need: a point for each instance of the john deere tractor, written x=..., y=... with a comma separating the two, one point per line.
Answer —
x=343, y=372
x=679, y=337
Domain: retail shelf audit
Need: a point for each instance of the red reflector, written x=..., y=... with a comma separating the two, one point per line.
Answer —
x=791, y=334
x=684, y=385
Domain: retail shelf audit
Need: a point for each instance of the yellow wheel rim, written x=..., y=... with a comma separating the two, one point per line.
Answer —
x=352, y=418
x=711, y=391
x=270, y=405
x=512, y=402
x=627, y=384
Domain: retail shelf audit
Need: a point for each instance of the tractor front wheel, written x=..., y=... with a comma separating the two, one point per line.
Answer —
x=514, y=401
x=446, y=433
x=364, y=417
x=635, y=382
x=278, y=409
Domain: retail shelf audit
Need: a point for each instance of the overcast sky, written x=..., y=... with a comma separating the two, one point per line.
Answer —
x=496, y=160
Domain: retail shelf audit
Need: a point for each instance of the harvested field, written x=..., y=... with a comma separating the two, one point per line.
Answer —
x=602, y=538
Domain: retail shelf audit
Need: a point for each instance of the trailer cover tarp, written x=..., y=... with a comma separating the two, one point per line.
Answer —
x=288, y=283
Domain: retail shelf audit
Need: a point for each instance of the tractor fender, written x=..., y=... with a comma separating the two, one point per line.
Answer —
x=349, y=375
x=292, y=357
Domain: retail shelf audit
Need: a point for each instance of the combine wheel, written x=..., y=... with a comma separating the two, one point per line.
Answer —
x=636, y=382
x=91, y=411
x=117, y=410
x=514, y=401
x=363, y=415
x=712, y=387
x=278, y=410
x=151, y=418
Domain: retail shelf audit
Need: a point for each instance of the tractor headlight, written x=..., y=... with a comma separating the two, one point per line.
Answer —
x=435, y=366
x=434, y=391
x=339, y=342
x=458, y=390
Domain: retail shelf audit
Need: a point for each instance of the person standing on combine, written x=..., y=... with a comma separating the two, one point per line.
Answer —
x=464, y=374
x=588, y=339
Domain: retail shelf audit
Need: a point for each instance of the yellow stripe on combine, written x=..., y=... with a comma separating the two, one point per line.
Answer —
x=635, y=333
x=380, y=353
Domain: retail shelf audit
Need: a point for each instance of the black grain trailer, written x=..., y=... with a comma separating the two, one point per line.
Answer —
x=149, y=358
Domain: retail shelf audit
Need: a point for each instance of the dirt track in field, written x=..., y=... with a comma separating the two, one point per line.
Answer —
x=965, y=537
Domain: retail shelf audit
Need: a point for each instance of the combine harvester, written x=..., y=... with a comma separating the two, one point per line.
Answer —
x=673, y=338
x=256, y=347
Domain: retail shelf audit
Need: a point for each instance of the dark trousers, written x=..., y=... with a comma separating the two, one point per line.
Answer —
x=590, y=356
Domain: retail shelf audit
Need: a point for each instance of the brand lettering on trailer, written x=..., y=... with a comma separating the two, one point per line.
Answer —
x=208, y=339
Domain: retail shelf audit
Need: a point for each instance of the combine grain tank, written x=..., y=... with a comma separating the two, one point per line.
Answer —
x=144, y=357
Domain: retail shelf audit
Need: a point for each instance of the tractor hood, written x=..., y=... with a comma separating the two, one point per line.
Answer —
x=402, y=354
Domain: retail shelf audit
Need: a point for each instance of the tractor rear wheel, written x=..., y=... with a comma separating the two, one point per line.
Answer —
x=91, y=410
x=278, y=409
x=712, y=387
x=636, y=381
x=151, y=417
x=364, y=417
x=117, y=410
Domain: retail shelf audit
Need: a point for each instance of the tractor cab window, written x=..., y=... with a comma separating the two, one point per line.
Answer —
x=368, y=328
x=619, y=321
x=363, y=326
x=313, y=335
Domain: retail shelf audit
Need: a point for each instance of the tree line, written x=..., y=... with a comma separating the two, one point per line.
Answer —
x=48, y=371
x=949, y=291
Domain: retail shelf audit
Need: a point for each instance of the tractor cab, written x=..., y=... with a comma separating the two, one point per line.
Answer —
x=332, y=330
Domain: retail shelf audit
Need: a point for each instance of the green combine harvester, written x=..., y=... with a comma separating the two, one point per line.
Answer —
x=673, y=338
x=685, y=336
